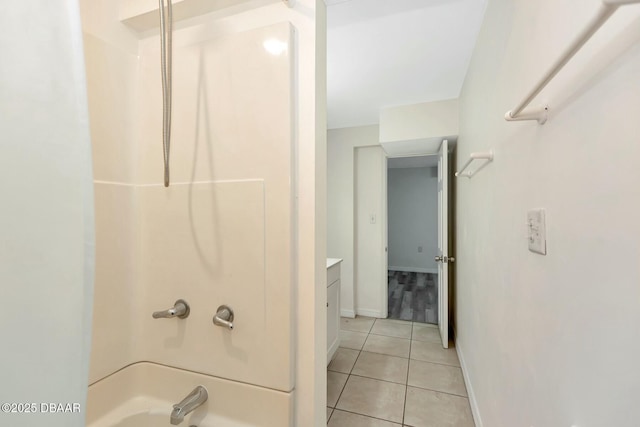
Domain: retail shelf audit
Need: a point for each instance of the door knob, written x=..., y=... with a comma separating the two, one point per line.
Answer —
x=437, y=259
x=224, y=317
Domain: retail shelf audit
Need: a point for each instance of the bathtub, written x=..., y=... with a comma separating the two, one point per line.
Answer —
x=143, y=394
x=144, y=411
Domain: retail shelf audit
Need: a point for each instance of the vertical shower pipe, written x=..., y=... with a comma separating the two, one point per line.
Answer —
x=165, y=59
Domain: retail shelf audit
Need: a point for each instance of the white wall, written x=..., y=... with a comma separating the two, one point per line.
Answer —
x=419, y=121
x=370, y=223
x=412, y=195
x=341, y=144
x=46, y=223
x=551, y=340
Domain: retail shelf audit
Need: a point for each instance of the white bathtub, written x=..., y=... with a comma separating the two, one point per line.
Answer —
x=144, y=411
x=143, y=394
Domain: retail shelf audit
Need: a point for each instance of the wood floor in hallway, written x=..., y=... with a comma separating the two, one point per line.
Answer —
x=413, y=296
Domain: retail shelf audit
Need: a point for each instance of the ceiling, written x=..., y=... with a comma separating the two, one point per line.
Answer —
x=383, y=53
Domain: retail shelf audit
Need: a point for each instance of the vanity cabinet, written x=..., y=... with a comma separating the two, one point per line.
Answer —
x=333, y=307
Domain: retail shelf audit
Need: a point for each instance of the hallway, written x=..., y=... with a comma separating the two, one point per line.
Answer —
x=392, y=373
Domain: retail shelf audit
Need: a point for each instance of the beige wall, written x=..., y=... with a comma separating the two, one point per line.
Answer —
x=551, y=340
x=419, y=121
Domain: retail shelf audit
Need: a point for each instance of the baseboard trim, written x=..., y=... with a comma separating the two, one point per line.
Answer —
x=368, y=312
x=348, y=313
x=332, y=350
x=475, y=411
x=414, y=269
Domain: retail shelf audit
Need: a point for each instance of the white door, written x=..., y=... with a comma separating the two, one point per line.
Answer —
x=443, y=244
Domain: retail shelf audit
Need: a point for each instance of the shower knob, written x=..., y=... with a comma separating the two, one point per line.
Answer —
x=224, y=317
x=180, y=309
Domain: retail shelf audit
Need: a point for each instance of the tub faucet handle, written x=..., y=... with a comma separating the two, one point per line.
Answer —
x=180, y=309
x=224, y=317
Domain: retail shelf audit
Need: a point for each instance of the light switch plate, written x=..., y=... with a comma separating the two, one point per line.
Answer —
x=537, y=231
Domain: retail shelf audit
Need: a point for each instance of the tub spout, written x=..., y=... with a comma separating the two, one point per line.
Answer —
x=196, y=398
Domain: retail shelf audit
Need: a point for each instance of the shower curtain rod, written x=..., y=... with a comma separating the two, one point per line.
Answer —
x=607, y=8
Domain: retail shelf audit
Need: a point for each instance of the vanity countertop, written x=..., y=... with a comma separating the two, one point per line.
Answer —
x=333, y=261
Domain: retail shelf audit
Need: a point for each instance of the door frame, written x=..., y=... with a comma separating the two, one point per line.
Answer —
x=384, y=310
x=385, y=237
x=443, y=243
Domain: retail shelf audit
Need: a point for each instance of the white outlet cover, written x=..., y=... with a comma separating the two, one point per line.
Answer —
x=537, y=231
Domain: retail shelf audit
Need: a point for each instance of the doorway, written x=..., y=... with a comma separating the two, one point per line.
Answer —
x=412, y=230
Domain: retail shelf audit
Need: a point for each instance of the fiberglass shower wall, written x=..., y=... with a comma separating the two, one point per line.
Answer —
x=223, y=232
x=111, y=64
x=220, y=232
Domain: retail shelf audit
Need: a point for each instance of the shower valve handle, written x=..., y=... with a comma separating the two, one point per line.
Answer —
x=180, y=309
x=224, y=317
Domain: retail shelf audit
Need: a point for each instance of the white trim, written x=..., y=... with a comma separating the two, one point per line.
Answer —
x=384, y=224
x=414, y=269
x=347, y=313
x=475, y=411
x=332, y=350
x=367, y=312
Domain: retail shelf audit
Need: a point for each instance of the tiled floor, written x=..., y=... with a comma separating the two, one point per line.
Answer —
x=413, y=296
x=394, y=373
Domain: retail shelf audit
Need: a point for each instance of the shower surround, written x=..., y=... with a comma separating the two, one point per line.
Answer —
x=225, y=232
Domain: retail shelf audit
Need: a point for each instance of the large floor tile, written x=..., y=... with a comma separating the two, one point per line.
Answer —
x=359, y=324
x=437, y=377
x=352, y=340
x=329, y=412
x=347, y=419
x=426, y=408
x=426, y=332
x=344, y=360
x=392, y=328
x=387, y=345
x=335, y=384
x=382, y=367
x=433, y=352
x=379, y=399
